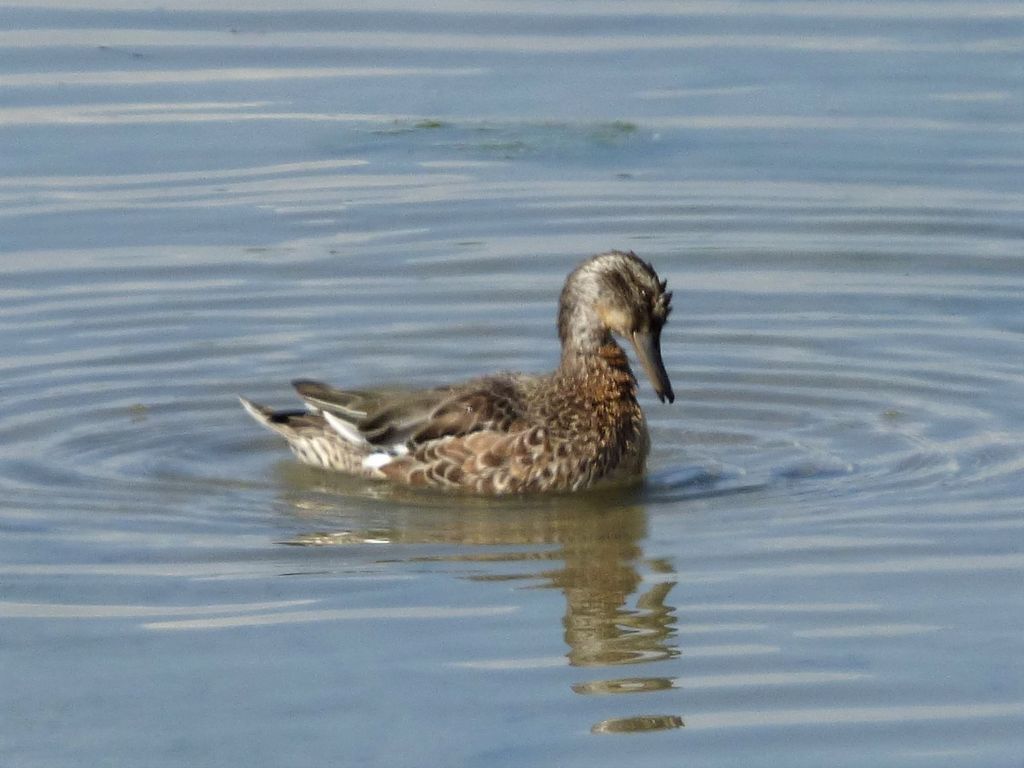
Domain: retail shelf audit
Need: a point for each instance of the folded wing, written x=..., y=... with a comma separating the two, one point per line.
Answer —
x=397, y=421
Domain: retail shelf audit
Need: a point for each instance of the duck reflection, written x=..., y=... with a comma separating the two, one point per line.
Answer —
x=613, y=616
x=600, y=551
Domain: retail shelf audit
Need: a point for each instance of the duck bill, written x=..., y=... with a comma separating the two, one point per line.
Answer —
x=648, y=348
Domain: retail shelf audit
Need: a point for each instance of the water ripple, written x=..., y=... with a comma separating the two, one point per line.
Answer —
x=881, y=422
x=211, y=202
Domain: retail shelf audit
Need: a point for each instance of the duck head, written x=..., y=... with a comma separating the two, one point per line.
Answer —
x=618, y=293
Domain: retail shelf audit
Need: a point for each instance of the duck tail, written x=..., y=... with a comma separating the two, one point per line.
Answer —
x=268, y=417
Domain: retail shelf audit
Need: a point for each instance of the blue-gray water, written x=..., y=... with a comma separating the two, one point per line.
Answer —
x=825, y=565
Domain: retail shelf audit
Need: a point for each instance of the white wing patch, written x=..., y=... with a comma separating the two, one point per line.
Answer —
x=347, y=431
x=350, y=433
x=377, y=460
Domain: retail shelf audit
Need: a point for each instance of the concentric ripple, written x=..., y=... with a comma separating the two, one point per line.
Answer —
x=823, y=566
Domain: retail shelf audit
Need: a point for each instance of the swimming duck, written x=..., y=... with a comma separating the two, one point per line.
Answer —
x=510, y=432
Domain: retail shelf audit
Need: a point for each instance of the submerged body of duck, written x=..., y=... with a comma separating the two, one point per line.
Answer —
x=510, y=432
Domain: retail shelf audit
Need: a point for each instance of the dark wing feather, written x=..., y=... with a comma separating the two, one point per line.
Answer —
x=391, y=417
x=353, y=404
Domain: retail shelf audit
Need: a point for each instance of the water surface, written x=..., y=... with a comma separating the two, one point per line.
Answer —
x=824, y=565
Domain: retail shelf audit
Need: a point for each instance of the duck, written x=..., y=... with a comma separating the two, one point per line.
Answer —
x=577, y=427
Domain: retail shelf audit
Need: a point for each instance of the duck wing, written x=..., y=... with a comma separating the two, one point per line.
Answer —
x=391, y=419
x=357, y=404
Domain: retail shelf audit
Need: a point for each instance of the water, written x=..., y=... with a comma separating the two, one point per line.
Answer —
x=824, y=567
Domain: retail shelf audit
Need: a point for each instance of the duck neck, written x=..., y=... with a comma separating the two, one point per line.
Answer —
x=588, y=348
x=587, y=344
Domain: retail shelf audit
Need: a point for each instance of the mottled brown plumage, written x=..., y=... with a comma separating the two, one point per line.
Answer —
x=508, y=433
